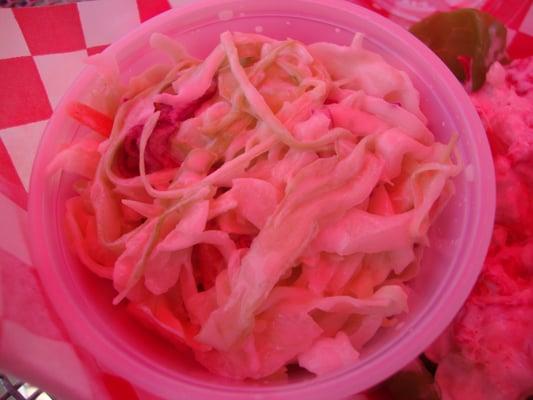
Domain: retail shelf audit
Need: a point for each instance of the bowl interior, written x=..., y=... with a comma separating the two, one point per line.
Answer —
x=449, y=265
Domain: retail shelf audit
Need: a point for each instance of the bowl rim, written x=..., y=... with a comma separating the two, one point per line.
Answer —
x=406, y=348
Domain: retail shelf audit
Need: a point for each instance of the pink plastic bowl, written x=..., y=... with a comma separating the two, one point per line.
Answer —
x=459, y=239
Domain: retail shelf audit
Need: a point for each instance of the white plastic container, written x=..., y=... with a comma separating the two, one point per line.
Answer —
x=459, y=238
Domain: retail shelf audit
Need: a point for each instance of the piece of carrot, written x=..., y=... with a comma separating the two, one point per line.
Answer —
x=90, y=117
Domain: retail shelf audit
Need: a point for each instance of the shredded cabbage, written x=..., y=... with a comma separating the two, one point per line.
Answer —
x=264, y=206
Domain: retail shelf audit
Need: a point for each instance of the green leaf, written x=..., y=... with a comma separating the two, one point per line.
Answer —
x=468, y=41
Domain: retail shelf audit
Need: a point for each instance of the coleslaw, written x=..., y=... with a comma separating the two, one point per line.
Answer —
x=264, y=206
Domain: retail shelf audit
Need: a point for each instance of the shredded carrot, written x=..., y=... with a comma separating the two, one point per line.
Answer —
x=90, y=117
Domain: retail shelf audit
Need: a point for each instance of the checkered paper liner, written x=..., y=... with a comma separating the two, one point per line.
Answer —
x=42, y=50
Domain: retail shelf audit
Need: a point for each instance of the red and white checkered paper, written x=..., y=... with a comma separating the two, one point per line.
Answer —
x=42, y=50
